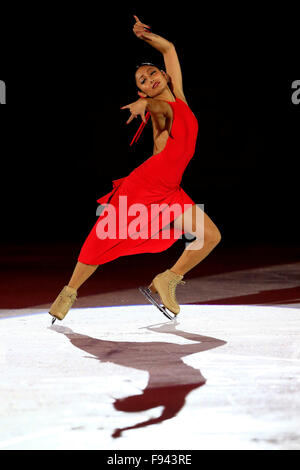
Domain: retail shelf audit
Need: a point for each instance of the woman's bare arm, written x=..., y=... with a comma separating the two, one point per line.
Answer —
x=139, y=107
x=168, y=51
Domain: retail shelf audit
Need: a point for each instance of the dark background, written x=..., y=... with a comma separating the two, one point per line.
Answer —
x=64, y=137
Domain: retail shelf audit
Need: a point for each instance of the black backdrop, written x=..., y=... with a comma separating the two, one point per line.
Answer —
x=64, y=137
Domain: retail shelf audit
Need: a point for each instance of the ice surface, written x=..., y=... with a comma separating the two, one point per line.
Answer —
x=71, y=386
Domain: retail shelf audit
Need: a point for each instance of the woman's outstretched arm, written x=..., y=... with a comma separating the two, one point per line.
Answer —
x=139, y=108
x=168, y=51
x=204, y=343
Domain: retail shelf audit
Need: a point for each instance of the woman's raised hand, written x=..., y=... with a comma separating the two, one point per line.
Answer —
x=140, y=28
x=136, y=109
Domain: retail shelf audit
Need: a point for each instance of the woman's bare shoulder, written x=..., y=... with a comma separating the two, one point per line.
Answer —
x=179, y=94
x=161, y=107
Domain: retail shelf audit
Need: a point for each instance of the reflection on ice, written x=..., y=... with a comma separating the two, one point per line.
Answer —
x=170, y=379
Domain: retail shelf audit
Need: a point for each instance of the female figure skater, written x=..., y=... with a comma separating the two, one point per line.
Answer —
x=155, y=181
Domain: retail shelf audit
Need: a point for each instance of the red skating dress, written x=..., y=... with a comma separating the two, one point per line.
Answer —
x=137, y=215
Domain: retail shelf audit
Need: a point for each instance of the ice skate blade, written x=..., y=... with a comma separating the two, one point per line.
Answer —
x=53, y=319
x=147, y=293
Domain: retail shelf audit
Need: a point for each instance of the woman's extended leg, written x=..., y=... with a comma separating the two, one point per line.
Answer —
x=198, y=224
x=81, y=273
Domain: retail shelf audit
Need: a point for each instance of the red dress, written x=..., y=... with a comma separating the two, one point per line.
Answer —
x=143, y=205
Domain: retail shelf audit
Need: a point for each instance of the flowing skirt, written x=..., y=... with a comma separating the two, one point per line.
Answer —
x=135, y=217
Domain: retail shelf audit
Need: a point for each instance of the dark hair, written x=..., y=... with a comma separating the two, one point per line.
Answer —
x=148, y=63
x=144, y=63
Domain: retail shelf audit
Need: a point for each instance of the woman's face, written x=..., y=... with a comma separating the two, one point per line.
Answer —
x=150, y=80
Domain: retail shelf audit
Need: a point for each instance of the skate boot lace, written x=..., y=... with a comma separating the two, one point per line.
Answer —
x=172, y=287
x=71, y=296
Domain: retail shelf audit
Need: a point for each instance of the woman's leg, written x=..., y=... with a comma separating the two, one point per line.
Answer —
x=68, y=295
x=81, y=273
x=197, y=223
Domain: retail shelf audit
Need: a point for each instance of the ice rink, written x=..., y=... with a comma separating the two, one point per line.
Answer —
x=124, y=377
